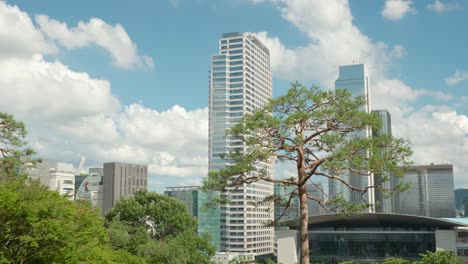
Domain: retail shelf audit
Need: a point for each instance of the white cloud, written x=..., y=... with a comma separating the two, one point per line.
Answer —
x=438, y=135
x=69, y=113
x=114, y=39
x=457, y=77
x=440, y=7
x=173, y=143
x=333, y=40
x=18, y=35
x=397, y=9
x=36, y=88
x=398, y=51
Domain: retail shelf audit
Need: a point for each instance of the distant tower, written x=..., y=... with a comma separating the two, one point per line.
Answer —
x=355, y=79
x=384, y=204
x=431, y=192
x=120, y=180
x=195, y=200
x=290, y=213
x=315, y=191
x=240, y=82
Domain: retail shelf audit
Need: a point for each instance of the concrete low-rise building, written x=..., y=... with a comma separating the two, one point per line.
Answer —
x=121, y=180
x=373, y=237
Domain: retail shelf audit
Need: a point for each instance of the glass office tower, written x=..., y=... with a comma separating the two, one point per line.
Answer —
x=355, y=79
x=283, y=212
x=384, y=204
x=431, y=192
x=240, y=82
x=196, y=202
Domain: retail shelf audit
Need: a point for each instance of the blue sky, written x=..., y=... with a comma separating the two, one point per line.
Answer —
x=127, y=80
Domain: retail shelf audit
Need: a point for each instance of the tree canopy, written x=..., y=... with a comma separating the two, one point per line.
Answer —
x=41, y=226
x=15, y=156
x=38, y=225
x=158, y=228
x=317, y=132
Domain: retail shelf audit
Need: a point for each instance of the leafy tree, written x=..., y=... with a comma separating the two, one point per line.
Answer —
x=396, y=261
x=158, y=228
x=313, y=130
x=14, y=155
x=439, y=257
x=41, y=226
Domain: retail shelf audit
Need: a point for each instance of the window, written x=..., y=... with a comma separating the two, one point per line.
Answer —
x=240, y=96
x=219, y=68
x=235, y=57
x=235, y=74
x=235, y=40
x=237, y=108
x=68, y=182
x=236, y=102
x=234, y=79
x=235, y=51
x=235, y=46
x=219, y=73
x=223, y=47
x=237, y=90
x=219, y=62
x=236, y=114
x=235, y=86
x=219, y=79
x=235, y=63
x=237, y=68
x=223, y=41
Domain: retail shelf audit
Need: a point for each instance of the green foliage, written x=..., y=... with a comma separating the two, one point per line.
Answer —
x=15, y=157
x=396, y=261
x=313, y=129
x=40, y=226
x=439, y=257
x=316, y=131
x=157, y=228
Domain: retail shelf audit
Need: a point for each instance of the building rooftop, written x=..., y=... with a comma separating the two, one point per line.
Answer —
x=379, y=220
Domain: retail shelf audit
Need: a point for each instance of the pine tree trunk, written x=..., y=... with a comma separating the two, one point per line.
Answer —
x=304, y=232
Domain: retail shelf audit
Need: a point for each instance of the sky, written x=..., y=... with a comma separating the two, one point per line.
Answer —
x=128, y=80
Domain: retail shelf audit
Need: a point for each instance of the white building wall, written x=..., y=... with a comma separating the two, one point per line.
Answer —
x=446, y=240
x=286, y=246
x=240, y=82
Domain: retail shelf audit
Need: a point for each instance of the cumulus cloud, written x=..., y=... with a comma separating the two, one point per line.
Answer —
x=457, y=77
x=50, y=90
x=438, y=135
x=18, y=35
x=70, y=113
x=334, y=40
x=397, y=9
x=173, y=143
x=398, y=51
x=113, y=39
x=441, y=7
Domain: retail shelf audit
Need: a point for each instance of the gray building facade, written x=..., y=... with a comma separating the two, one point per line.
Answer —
x=120, y=180
x=209, y=218
x=383, y=203
x=240, y=81
x=282, y=211
x=316, y=191
x=355, y=79
x=431, y=192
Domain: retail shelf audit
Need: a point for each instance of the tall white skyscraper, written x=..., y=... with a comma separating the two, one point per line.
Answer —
x=240, y=82
x=355, y=79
